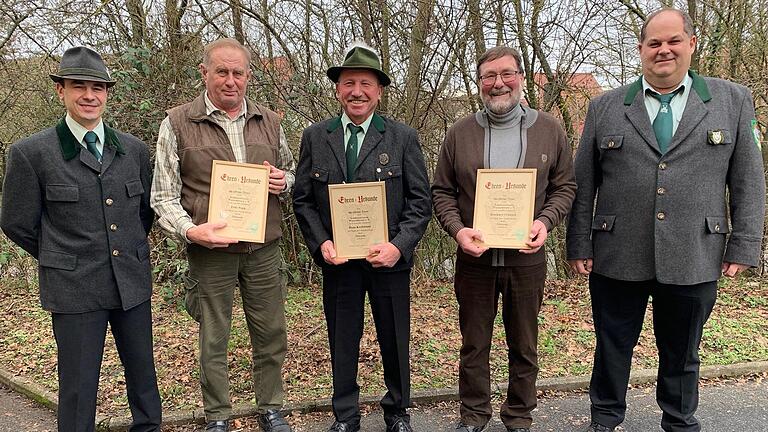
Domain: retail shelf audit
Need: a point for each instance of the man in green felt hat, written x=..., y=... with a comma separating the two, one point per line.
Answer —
x=76, y=197
x=362, y=146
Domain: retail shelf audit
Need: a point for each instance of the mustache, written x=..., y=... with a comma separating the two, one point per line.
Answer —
x=499, y=92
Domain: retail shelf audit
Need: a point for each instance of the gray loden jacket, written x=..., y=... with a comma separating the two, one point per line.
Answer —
x=86, y=223
x=642, y=215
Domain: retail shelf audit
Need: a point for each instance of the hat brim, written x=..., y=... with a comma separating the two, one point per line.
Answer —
x=335, y=71
x=59, y=79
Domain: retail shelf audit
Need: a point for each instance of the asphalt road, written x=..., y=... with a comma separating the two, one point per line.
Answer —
x=725, y=407
x=19, y=413
x=729, y=407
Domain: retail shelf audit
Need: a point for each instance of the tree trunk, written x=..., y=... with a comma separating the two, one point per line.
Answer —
x=413, y=81
x=237, y=19
x=138, y=21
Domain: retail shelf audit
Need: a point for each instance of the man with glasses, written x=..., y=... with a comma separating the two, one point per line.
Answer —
x=504, y=134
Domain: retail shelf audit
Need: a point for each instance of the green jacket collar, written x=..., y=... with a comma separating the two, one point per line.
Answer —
x=71, y=148
x=377, y=122
x=699, y=86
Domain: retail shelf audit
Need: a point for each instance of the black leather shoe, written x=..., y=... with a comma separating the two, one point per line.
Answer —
x=399, y=424
x=338, y=426
x=463, y=427
x=273, y=421
x=597, y=427
x=217, y=426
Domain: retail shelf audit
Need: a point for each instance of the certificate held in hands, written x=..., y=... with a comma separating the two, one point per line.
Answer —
x=358, y=217
x=504, y=204
x=239, y=195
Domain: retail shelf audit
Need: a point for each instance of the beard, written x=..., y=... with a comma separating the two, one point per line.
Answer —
x=500, y=105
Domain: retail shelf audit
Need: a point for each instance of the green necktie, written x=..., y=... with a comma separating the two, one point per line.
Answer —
x=352, y=151
x=90, y=142
x=662, y=124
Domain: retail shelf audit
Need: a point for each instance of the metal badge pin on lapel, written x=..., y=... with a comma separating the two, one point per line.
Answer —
x=715, y=137
x=543, y=158
x=383, y=158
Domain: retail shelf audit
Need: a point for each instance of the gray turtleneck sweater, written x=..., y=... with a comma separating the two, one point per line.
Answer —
x=503, y=144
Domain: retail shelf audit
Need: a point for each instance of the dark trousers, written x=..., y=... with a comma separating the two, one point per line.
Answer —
x=679, y=314
x=477, y=290
x=344, y=289
x=80, y=342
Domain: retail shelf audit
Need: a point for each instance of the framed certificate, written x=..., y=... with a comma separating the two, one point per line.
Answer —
x=358, y=217
x=504, y=203
x=239, y=194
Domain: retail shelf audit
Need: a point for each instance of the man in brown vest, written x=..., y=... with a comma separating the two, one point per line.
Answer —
x=221, y=124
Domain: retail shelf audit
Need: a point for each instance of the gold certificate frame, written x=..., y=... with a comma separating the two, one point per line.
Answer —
x=504, y=204
x=239, y=196
x=358, y=217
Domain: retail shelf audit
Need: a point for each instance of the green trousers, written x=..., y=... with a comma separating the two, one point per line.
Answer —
x=213, y=277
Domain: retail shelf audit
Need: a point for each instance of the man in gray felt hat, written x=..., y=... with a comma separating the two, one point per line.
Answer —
x=362, y=146
x=76, y=197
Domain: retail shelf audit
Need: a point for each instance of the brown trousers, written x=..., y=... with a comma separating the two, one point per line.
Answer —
x=477, y=291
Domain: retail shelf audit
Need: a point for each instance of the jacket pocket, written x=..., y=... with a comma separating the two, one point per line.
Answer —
x=389, y=172
x=611, y=142
x=192, y=298
x=717, y=225
x=134, y=187
x=142, y=252
x=603, y=222
x=319, y=174
x=57, y=260
x=62, y=193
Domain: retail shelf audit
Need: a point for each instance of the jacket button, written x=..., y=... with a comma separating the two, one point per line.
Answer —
x=660, y=215
x=389, y=172
x=605, y=226
x=717, y=227
x=663, y=166
x=115, y=253
x=113, y=227
x=611, y=144
x=661, y=191
x=317, y=174
x=109, y=201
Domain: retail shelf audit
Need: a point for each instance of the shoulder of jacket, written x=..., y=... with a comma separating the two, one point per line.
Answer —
x=179, y=109
x=716, y=85
x=263, y=110
x=128, y=139
x=390, y=123
x=465, y=122
x=45, y=136
x=547, y=118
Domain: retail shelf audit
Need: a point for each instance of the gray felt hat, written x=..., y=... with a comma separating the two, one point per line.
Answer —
x=81, y=63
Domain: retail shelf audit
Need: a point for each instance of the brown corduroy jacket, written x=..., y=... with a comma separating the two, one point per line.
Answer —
x=545, y=148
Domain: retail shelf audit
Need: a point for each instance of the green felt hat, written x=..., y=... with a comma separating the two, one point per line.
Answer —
x=85, y=64
x=360, y=58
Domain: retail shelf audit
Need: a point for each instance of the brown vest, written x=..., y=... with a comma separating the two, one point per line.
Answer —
x=200, y=140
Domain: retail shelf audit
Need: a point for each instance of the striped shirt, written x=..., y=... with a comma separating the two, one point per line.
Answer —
x=166, y=183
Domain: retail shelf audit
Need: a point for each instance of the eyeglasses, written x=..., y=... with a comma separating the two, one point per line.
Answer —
x=506, y=76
